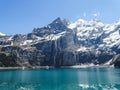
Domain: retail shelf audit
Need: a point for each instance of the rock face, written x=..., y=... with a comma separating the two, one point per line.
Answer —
x=64, y=44
x=8, y=60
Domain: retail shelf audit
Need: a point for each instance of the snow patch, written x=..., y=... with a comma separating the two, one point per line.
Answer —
x=82, y=49
x=83, y=65
x=54, y=36
x=75, y=24
x=10, y=38
x=112, y=39
x=1, y=34
x=109, y=62
x=26, y=42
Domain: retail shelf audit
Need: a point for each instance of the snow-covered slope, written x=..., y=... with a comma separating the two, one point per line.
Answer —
x=90, y=34
x=97, y=33
x=65, y=43
x=1, y=34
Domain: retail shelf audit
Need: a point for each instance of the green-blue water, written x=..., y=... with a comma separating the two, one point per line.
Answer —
x=61, y=79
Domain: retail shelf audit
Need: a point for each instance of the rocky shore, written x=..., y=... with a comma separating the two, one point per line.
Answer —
x=62, y=67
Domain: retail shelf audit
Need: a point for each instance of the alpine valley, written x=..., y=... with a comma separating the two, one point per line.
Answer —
x=62, y=43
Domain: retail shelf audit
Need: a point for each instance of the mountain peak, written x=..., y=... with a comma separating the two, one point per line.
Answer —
x=61, y=21
x=57, y=20
x=77, y=23
x=81, y=22
x=57, y=26
x=59, y=45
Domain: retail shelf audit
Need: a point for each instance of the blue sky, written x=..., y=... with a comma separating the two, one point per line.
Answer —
x=21, y=16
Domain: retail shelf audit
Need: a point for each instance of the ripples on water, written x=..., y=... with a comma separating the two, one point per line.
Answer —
x=37, y=86
x=61, y=79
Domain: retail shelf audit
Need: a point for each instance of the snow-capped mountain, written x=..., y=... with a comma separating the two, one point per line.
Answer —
x=1, y=34
x=89, y=31
x=63, y=43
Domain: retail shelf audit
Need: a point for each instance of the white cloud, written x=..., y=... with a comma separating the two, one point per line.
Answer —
x=84, y=14
x=96, y=14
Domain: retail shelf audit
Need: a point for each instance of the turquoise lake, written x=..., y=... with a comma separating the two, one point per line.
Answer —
x=61, y=79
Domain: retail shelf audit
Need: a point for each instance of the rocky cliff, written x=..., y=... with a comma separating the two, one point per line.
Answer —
x=62, y=43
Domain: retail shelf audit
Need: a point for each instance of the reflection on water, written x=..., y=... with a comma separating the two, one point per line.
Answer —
x=99, y=75
x=61, y=79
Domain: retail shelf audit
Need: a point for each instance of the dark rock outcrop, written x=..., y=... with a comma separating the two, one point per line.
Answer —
x=59, y=45
x=8, y=60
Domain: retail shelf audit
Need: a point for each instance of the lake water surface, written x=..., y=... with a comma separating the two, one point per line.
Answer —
x=61, y=79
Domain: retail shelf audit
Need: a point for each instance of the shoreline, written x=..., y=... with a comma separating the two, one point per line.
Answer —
x=24, y=68
x=89, y=66
x=52, y=67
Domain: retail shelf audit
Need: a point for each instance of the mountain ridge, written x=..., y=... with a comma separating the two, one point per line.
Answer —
x=62, y=43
